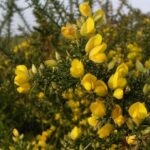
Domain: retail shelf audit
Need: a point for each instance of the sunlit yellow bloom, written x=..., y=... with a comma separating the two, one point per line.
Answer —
x=93, y=42
x=24, y=88
x=77, y=68
x=69, y=31
x=92, y=121
x=131, y=140
x=117, y=115
x=101, y=88
x=98, y=108
x=89, y=81
x=122, y=69
x=22, y=79
x=118, y=93
x=138, y=112
x=15, y=132
x=85, y=9
x=115, y=81
x=21, y=69
x=88, y=27
x=98, y=15
x=97, y=54
x=75, y=133
x=105, y=130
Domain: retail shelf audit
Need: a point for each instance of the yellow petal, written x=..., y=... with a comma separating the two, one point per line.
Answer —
x=101, y=88
x=118, y=93
x=122, y=69
x=138, y=111
x=77, y=69
x=24, y=88
x=69, y=31
x=122, y=82
x=88, y=27
x=21, y=69
x=85, y=9
x=98, y=15
x=75, y=133
x=105, y=131
x=89, y=81
x=93, y=42
x=131, y=140
x=98, y=108
x=92, y=121
x=21, y=79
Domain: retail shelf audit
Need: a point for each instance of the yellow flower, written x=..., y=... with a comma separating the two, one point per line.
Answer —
x=105, y=131
x=138, y=112
x=97, y=54
x=85, y=9
x=101, y=88
x=118, y=93
x=69, y=31
x=22, y=79
x=24, y=88
x=122, y=69
x=131, y=140
x=99, y=15
x=117, y=115
x=75, y=133
x=92, y=121
x=115, y=81
x=89, y=81
x=93, y=42
x=22, y=75
x=88, y=27
x=15, y=132
x=21, y=69
x=98, y=108
x=77, y=68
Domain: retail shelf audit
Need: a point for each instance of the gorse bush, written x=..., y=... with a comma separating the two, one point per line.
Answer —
x=83, y=86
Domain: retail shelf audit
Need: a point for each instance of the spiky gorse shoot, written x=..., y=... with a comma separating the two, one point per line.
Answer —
x=87, y=92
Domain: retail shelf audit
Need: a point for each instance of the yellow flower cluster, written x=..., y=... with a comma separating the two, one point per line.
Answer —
x=118, y=81
x=23, y=45
x=134, y=52
x=41, y=139
x=22, y=79
x=87, y=26
x=96, y=49
x=94, y=104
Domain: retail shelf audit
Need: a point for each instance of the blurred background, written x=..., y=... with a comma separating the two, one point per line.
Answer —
x=29, y=19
